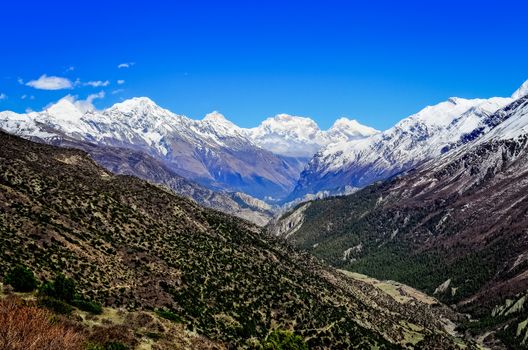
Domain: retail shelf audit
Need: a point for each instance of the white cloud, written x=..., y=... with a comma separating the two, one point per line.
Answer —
x=126, y=65
x=92, y=97
x=97, y=83
x=20, y=81
x=70, y=69
x=116, y=91
x=50, y=83
x=120, y=82
x=3, y=96
x=85, y=105
x=23, y=97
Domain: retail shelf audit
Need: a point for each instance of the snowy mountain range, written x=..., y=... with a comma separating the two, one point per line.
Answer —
x=420, y=137
x=283, y=159
x=263, y=162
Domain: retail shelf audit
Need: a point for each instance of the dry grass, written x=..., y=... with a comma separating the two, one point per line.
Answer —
x=26, y=327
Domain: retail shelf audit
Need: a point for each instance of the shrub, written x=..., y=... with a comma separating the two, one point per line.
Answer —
x=56, y=305
x=107, y=346
x=28, y=327
x=115, y=346
x=153, y=335
x=169, y=315
x=47, y=289
x=115, y=337
x=62, y=288
x=284, y=340
x=88, y=306
x=21, y=279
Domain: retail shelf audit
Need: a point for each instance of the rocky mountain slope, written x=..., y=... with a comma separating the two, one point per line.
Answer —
x=124, y=161
x=416, y=139
x=455, y=226
x=134, y=245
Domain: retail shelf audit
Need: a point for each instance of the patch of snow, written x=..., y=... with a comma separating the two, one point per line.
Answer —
x=443, y=287
x=347, y=254
x=521, y=92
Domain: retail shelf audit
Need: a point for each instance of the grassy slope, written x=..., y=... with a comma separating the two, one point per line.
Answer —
x=131, y=244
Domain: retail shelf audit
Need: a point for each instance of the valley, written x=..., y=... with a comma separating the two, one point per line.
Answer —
x=412, y=204
x=129, y=244
x=453, y=227
x=264, y=175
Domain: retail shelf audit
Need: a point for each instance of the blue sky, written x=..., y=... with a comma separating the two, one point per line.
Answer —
x=375, y=61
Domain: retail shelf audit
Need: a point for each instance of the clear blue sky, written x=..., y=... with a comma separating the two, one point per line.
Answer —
x=376, y=61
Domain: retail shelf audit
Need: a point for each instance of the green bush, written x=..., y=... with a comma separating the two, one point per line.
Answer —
x=169, y=315
x=284, y=340
x=46, y=289
x=55, y=305
x=62, y=288
x=107, y=346
x=21, y=279
x=115, y=346
x=153, y=335
x=88, y=306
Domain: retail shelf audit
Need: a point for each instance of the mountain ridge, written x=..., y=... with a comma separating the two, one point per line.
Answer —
x=418, y=138
x=273, y=161
x=213, y=151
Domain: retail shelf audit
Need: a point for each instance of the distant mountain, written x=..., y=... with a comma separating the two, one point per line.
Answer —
x=414, y=140
x=263, y=162
x=455, y=226
x=301, y=137
x=212, y=151
x=284, y=159
x=132, y=245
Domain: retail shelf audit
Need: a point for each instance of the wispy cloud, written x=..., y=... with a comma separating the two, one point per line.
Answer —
x=84, y=105
x=97, y=83
x=120, y=82
x=23, y=97
x=117, y=91
x=92, y=97
x=3, y=96
x=70, y=69
x=126, y=65
x=50, y=83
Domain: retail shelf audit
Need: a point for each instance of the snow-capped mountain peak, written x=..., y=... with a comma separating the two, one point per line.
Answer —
x=66, y=109
x=297, y=136
x=289, y=122
x=215, y=116
x=288, y=135
x=521, y=92
x=288, y=126
x=217, y=119
x=138, y=106
x=345, y=129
